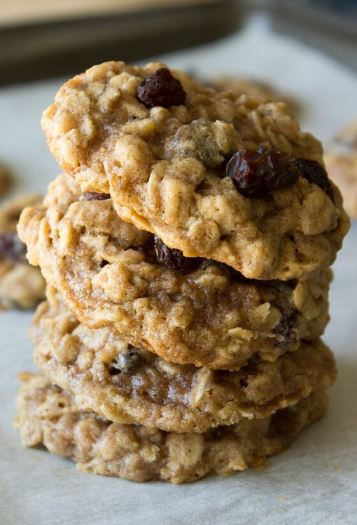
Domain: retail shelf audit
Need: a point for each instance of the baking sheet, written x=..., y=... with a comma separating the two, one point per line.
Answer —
x=315, y=482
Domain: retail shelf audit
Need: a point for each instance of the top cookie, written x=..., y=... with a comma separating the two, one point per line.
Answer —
x=215, y=175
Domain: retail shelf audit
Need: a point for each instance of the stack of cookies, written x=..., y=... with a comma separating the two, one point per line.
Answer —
x=186, y=251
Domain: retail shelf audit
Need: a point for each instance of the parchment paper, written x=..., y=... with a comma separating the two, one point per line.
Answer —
x=315, y=482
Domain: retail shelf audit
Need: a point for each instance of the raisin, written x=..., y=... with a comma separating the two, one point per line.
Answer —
x=256, y=173
x=313, y=172
x=11, y=248
x=94, y=196
x=174, y=259
x=243, y=382
x=161, y=89
x=127, y=362
x=285, y=329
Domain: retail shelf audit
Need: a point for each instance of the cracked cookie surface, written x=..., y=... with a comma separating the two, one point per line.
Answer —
x=165, y=169
x=129, y=385
x=113, y=275
x=48, y=415
x=21, y=285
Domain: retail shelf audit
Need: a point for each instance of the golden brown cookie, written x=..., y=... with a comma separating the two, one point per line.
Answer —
x=233, y=180
x=185, y=310
x=129, y=385
x=47, y=415
x=341, y=162
x=21, y=285
x=255, y=89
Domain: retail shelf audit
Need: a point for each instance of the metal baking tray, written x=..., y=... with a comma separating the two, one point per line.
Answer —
x=40, y=47
x=71, y=35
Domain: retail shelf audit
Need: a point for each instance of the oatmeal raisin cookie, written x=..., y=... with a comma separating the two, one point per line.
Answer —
x=126, y=384
x=186, y=310
x=177, y=158
x=47, y=415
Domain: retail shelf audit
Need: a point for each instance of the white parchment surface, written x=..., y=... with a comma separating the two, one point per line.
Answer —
x=315, y=482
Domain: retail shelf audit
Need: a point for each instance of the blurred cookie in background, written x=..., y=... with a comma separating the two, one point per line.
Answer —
x=5, y=180
x=21, y=285
x=257, y=89
x=341, y=163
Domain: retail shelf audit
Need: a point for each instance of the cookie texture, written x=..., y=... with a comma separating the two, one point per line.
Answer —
x=47, y=415
x=254, y=89
x=164, y=166
x=341, y=162
x=185, y=310
x=129, y=385
x=21, y=285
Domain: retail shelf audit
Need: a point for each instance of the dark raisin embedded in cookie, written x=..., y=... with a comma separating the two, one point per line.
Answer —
x=161, y=89
x=94, y=196
x=125, y=363
x=174, y=259
x=11, y=248
x=312, y=171
x=256, y=173
x=285, y=329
